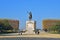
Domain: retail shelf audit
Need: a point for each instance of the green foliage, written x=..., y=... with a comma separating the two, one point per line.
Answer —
x=54, y=29
x=4, y=25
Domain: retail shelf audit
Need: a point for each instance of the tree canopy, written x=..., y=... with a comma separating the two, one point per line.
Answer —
x=4, y=25
x=55, y=28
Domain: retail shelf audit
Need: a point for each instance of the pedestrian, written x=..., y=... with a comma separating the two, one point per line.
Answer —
x=38, y=32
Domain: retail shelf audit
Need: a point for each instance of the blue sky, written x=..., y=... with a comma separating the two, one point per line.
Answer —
x=41, y=9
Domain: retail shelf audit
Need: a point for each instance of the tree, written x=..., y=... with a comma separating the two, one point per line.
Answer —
x=6, y=25
x=1, y=26
x=54, y=28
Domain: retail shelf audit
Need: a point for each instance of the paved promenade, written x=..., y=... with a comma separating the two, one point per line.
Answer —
x=29, y=38
x=41, y=35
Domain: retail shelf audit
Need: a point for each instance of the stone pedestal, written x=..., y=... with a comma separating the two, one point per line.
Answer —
x=30, y=27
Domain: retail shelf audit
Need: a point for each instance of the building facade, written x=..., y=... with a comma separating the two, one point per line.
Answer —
x=13, y=23
x=49, y=23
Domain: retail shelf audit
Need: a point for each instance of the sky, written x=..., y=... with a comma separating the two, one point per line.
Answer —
x=19, y=10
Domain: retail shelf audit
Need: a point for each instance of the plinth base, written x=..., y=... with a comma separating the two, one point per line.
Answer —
x=30, y=27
